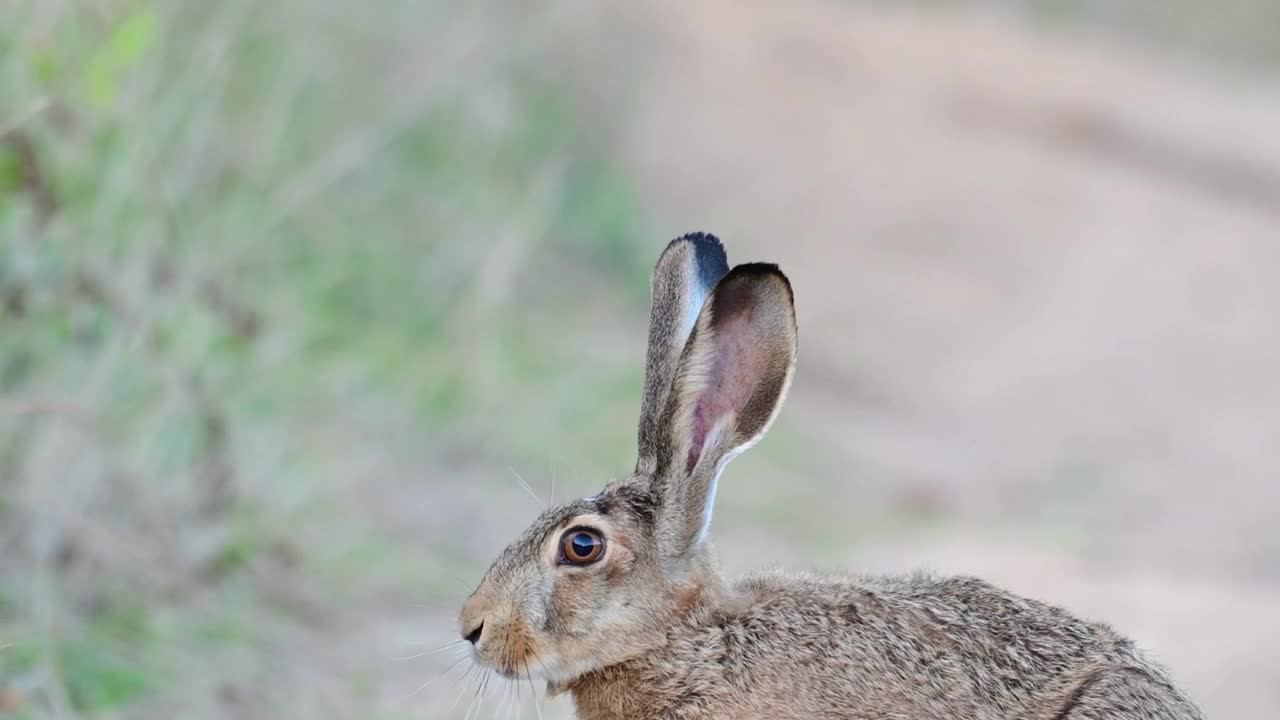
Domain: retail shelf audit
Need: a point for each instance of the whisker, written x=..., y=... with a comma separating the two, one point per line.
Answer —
x=417, y=643
x=463, y=585
x=513, y=708
x=461, y=659
x=526, y=487
x=506, y=700
x=551, y=470
x=545, y=674
x=532, y=691
x=466, y=587
x=471, y=706
x=434, y=651
x=436, y=679
x=517, y=700
x=480, y=692
x=465, y=686
x=477, y=701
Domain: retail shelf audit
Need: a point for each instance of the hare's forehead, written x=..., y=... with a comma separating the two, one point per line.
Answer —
x=626, y=504
x=530, y=543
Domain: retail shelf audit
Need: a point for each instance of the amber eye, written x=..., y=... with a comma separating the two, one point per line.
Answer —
x=581, y=546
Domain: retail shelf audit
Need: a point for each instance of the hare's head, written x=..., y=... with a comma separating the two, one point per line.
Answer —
x=598, y=580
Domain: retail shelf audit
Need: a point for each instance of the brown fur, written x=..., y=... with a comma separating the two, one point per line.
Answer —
x=653, y=630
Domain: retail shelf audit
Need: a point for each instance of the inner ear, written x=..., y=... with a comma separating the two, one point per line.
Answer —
x=737, y=362
x=731, y=379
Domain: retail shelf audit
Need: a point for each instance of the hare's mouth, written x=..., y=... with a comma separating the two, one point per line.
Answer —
x=513, y=668
x=526, y=669
x=512, y=655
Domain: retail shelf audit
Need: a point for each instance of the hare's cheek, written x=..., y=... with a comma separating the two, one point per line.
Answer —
x=572, y=605
x=579, y=594
x=621, y=562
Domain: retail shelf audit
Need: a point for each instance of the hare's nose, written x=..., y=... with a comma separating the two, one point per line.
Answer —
x=473, y=637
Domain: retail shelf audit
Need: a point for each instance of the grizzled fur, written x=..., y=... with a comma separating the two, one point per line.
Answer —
x=651, y=630
x=798, y=646
x=685, y=274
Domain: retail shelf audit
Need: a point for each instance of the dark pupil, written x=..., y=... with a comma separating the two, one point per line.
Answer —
x=583, y=544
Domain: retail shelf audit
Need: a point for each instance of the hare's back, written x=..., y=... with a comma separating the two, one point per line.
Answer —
x=954, y=646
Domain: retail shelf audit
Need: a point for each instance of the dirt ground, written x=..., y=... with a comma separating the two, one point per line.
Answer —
x=1035, y=276
x=1036, y=279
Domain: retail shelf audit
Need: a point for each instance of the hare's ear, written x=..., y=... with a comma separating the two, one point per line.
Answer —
x=729, y=384
x=682, y=279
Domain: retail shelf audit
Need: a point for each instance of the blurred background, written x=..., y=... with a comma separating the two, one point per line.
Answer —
x=294, y=296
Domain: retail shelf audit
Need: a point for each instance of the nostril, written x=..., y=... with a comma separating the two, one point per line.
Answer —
x=473, y=637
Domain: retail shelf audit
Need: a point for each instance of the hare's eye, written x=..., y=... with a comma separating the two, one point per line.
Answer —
x=581, y=546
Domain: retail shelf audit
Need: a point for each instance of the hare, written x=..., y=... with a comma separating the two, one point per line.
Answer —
x=616, y=598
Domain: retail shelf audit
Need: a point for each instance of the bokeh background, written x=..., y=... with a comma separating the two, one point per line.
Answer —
x=294, y=296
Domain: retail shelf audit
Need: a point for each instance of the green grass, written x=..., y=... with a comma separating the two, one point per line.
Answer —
x=245, y=245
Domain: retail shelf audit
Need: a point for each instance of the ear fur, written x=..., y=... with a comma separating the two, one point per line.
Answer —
x=729, y=384
x=682, y=279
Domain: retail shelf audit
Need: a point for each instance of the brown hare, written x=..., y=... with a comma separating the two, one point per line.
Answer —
x=617, y=599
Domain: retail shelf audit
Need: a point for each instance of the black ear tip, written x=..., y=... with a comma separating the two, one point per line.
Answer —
x=709, y=254
x=757, y=272
x=704, y=244
x=702, y=239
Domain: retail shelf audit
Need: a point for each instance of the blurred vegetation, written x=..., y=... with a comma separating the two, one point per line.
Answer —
x=246, y=250
x=239, y=239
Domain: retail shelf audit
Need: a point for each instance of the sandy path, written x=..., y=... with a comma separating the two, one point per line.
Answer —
x=1038, y=296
